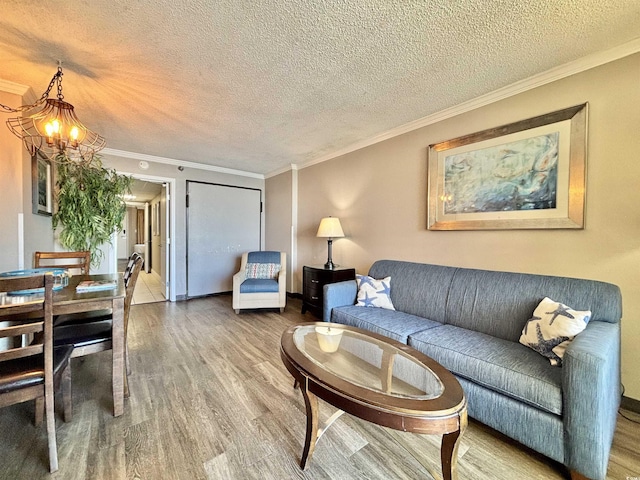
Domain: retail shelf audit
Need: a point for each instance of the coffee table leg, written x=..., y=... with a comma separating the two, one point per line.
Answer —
x=449, y=450
x=311, y=403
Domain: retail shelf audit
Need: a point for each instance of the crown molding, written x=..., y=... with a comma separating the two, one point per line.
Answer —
x=551, y=75
x=14, y=88
x=284, y=169
x=24, y=91
x=179, y=163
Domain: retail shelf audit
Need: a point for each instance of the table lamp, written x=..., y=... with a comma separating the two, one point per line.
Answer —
x=330, y=228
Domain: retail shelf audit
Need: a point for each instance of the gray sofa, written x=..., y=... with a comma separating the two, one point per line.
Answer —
x=470, y=322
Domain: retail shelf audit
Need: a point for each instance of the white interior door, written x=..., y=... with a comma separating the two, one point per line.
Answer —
x=147, y=238
x=222, y=222
x=166, y=239
x=123, y=242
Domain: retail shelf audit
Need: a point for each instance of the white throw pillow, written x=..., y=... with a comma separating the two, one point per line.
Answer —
x=374, y=293
x=552, y=328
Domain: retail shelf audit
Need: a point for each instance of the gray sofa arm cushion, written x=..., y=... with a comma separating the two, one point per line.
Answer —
x=338, y=295
x=591, y=390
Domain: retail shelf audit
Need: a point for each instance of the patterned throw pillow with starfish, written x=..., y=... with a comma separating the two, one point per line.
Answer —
x=552, y=328
x=374, y=293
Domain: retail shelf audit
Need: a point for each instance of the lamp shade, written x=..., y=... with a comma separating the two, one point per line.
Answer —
x=330, y=228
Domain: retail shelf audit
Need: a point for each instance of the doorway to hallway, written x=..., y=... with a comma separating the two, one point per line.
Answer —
x=149, y=288
x=147, y=230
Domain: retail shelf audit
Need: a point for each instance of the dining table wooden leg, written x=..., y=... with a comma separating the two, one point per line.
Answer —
x=117, y=347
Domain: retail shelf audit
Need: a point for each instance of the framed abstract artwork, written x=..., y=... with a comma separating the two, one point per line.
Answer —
x=41, y=185
x=525, y=175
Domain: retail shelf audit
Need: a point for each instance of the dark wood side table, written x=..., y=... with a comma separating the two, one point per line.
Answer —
x=316, y=277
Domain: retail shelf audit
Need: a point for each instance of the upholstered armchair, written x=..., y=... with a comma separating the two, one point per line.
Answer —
x=261, y=281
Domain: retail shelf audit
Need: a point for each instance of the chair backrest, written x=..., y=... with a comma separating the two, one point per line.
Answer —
x=264, y=256
x=130, y=278
x=70, y=260
x=33, y=316
x=134, y=259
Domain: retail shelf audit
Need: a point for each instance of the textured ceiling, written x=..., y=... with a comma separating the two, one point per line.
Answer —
x=258, y=85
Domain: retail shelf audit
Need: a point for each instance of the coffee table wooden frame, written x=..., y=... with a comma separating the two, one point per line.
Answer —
x=445, y=415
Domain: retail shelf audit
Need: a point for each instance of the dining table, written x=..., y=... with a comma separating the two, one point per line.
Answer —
x=67, y=300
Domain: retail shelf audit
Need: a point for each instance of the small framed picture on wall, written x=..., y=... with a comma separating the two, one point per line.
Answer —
x=42, y=184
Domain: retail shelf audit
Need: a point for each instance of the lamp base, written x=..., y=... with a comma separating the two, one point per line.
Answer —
x=329, y=265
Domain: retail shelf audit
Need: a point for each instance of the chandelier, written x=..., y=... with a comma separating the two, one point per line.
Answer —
x=55, y=130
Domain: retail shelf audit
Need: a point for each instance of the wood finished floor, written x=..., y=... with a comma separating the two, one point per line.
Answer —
x=210, y=399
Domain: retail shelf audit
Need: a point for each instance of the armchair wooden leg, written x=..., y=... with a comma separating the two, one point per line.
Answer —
x=237, y=311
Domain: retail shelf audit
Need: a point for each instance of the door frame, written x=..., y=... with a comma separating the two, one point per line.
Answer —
x=171, y=230
x=260, y=225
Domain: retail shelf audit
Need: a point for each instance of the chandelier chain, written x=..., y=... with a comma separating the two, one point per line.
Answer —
x=59, y=77
x=56, y=77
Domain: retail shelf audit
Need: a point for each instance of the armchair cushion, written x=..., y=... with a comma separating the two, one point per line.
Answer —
x=263, y=256
x=259, y=285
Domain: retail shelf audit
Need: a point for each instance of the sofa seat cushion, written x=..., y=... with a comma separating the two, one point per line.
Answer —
x=500, y=365
x=259, y=285
x=390, y=323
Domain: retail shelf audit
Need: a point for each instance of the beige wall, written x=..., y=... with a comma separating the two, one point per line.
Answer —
x=11, y=185
x=380, y=195
x=15, y=199
x=278, y=218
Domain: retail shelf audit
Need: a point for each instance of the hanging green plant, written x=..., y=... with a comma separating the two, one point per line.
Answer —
x=90, y=205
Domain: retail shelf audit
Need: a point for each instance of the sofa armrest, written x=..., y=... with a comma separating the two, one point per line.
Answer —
x=591, y=392
x=338, y=295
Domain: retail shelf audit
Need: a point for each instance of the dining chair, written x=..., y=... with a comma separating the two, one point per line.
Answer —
x=32, y=370
x=70, y=260
x=91, y=333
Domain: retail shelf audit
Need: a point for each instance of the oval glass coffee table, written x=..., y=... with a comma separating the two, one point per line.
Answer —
x=377, y=379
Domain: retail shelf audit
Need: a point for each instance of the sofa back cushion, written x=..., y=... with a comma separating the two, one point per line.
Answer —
x=417, y=288
x=501, y=303
x=495, y=303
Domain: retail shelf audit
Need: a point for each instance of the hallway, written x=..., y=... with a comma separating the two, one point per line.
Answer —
x=149, y=289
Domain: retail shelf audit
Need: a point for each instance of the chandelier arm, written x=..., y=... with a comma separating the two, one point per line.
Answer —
x=43, y=98
x=55, y=131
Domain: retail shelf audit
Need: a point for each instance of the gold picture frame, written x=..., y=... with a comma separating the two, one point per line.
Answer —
x=529, y=174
